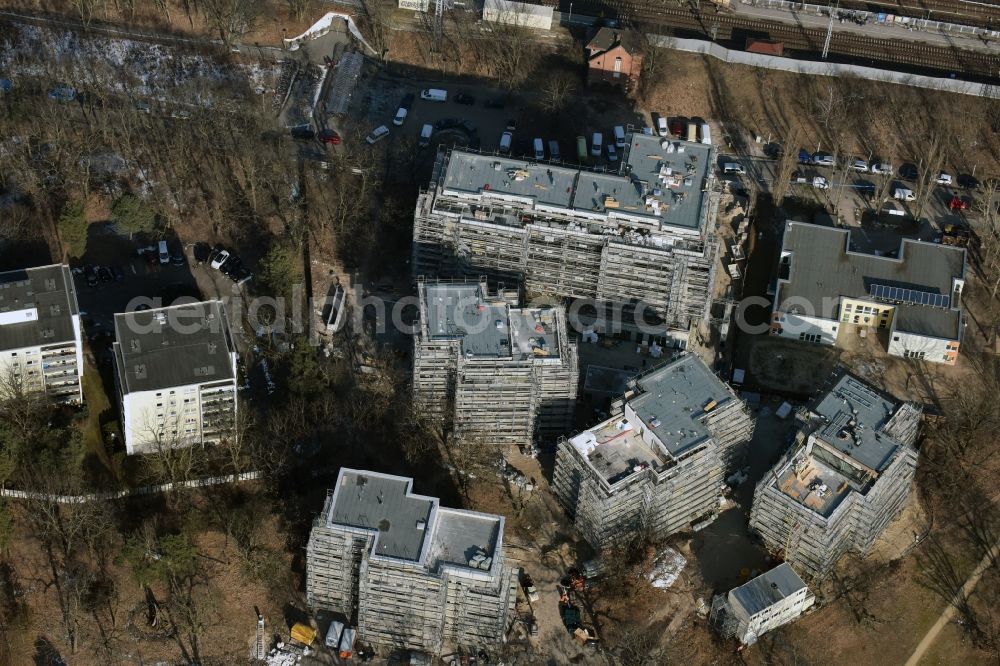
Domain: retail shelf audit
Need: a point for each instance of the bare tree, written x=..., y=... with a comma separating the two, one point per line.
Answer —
x=786, y=163
x=375, y=21
x=556, y=91
x=988, y=245
x=509, y=54
x=231, y=18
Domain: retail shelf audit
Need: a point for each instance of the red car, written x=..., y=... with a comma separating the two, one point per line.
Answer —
x=958, y=203
x=329, y=136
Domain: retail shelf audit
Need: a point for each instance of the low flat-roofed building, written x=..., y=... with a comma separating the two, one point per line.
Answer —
x=175, y=375
x=641, y=234
x=659, y=462
x=41, y=348
x=410, y=573
x=825, y=289
x=766, y=602
x=846, y=477
x=491, y=371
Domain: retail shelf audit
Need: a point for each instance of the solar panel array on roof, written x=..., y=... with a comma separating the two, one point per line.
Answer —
x=912, y=296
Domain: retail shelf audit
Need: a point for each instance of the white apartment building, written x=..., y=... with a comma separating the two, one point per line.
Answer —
x=40, y=342
x=176, y=376
x=764, y=603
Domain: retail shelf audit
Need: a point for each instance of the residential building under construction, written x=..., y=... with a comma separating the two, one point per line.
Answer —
x=410, y=573
x=846, y=477
x=657, y=465
x=491, y=371
x=762, y=604
x=636, y=239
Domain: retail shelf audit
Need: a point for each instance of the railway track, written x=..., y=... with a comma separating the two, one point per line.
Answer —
x=844, y=46
x=979, y=13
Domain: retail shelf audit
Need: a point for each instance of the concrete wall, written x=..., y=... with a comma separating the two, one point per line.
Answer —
x=934, y=350
x=793, y=326
x=824, y=68
x=518, y=13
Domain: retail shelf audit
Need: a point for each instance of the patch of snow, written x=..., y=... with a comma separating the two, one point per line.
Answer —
x=667, y=566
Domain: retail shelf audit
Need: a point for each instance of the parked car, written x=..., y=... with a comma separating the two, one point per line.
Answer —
x=466, y=99
x=447, y=123
x=908, y=172
x=90, y=274
x=177, y=258
x=883, y=168
x=943, y=178
x=329, y=136
x=619, y=136
x=407, y=101
x=799, y=178
x=511, y=125
x=612, y=153
x=957, y=203
x=823, y=159
x=661, y=126
x=220, y=258
x=505, y=140
x=539, y=148
x=104, y=274
x=400, y=117
x=434, y=95
x=596, y=144
x=554, y=151
x=804, y=157
x=677, y=126
x=303, y=133
x=733, y=167
x=202, y=252
x=968, y=181
x=377, y=134
x=903, y=194
x=860, y=166
x=821, y=183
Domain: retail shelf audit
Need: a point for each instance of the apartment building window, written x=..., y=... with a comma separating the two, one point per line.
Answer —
x=914, y=354
x=810, y=337
x=848, y=307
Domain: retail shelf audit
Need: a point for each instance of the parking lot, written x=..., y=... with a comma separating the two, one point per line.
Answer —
x=485, y=113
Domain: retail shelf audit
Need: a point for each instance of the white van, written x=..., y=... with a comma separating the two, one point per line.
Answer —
x=425, y=136
x=164, y=253
x=619, y=136
x=539, y=147
x=733, y=167
x=505, y=140
x=434, y=95
x=596, y=144
x=706, y=134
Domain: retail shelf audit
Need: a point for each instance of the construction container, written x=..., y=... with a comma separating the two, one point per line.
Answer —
x=303, y=633
x=347, y=643
x=333, y=634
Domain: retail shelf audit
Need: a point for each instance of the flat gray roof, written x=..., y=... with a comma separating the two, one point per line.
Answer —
x=488, y=328
x=37, y=306
x=647, y=160
x=175, y=346
x=383, y=503
x=822, y=267
x=676, y=398
x=460, y=535
x=659, y=180
x=413, y=527
x=767, y=589
x=854, y=414
x=473, y=173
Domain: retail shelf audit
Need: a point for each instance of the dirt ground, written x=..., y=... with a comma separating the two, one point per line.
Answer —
x=788, y=365
x=231, y=616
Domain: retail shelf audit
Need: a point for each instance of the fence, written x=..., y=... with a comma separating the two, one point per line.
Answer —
x=819, y=68
x=880, y=18
x=130, y=492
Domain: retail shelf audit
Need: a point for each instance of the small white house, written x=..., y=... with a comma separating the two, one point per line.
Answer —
x=764, y=603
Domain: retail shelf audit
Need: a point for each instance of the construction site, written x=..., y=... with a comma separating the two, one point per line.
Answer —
x=847, y=476
x=407, y=572
x=657, y=465
x=639, y=238
x=490, y=371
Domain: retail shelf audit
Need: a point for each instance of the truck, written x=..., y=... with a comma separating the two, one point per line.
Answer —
x=434, y=95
